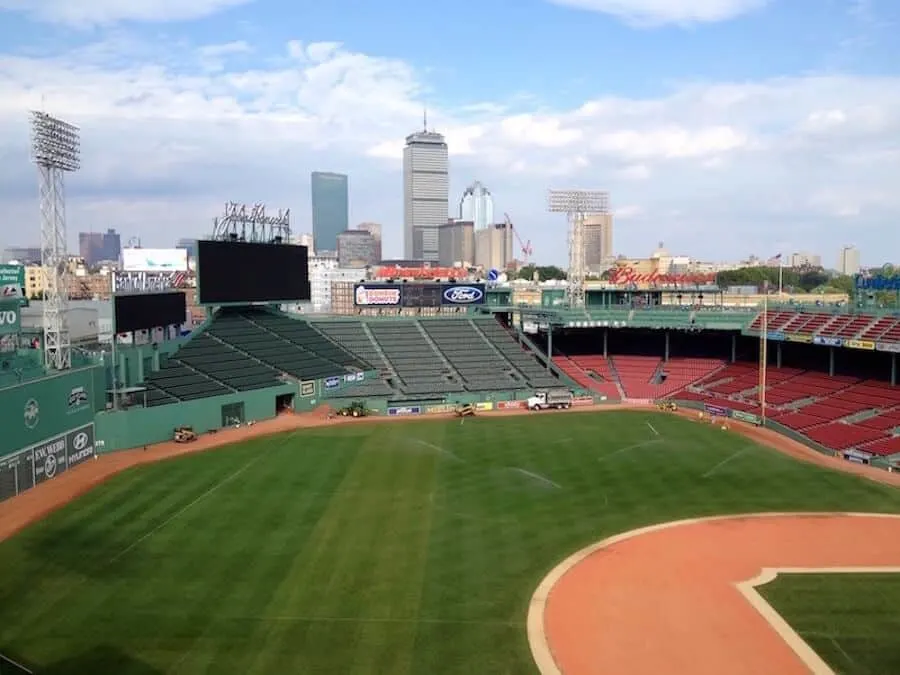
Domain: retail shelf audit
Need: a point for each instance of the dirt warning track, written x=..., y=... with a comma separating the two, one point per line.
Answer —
x=680, y=598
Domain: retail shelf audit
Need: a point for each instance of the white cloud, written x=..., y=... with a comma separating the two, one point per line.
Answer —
x=717, y=170
x=657, y=12
x=85, y=13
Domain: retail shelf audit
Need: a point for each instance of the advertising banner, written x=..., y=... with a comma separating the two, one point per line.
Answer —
x=887, y=279
x=16, y=474
x=440, y=409
x=9, y=318
x=745, y=416
x=827, y=341
x=868, y=345
x=803, y=339
x=154, y=260
x=890, y=347
x=12, y=283
x=405, y=410
x=462, y=294
x=511, y=405
x=775, y=336
x=583, y=401
x=79, y=445
x=332, y=382
x=49, y=459
x=374, y=295
x=307, y=389
x=715, y=410
x=484, y=406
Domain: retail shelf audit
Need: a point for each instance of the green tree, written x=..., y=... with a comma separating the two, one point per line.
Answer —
x=545, y=272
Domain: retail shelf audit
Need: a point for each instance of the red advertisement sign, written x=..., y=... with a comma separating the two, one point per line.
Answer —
x=510, y=405
x=583, y=400
x=628, y=275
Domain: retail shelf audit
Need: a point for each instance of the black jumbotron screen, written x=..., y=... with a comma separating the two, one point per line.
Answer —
x=142, y=311
x=237, y=272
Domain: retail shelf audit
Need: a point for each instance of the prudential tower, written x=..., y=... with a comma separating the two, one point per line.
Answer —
x=426, y=193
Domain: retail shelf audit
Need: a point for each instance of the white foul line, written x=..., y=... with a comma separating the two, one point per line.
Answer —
x=655, y=432
x=181, y=511
x=725, y=461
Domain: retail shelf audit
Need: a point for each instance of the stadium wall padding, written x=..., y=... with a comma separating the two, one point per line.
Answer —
x=137, y=427
x=43, y=408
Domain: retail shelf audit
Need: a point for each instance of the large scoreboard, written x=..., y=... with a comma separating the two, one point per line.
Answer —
x=421, y=295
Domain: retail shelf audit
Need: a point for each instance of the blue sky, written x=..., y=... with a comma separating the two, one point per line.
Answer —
x=721, y=127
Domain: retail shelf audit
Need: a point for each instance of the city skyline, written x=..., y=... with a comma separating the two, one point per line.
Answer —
x=776, y=150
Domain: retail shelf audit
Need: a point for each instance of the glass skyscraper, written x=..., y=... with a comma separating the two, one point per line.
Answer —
x=330, y=209
x=477, y=206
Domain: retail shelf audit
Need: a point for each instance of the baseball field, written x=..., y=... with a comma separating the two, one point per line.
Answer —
x=406, y=548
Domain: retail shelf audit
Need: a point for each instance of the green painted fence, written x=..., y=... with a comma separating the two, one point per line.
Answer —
x=41, y=409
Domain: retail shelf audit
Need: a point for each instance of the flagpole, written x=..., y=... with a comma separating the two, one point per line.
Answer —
x=763, y=353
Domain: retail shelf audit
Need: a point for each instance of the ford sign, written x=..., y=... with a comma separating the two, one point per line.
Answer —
x=464, y=295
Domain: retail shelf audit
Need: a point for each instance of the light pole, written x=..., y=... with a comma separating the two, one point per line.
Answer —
x=56, y=150
x=577, y=205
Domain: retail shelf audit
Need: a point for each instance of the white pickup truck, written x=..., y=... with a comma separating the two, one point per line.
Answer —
x=551, y=398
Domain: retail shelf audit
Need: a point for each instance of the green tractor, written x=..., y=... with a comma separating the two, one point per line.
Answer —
x=355, y=409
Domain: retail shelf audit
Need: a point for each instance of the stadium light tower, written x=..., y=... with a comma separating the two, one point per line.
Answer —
x=577, y=205
x=56, y=150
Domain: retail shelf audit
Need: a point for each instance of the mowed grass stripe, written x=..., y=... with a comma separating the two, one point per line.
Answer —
x=364, y=559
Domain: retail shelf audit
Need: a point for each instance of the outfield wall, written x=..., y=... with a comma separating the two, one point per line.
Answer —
x=35, y=411
x=47, y=427
x=136, y=427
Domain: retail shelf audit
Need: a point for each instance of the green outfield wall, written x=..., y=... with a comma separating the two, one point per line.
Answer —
x=136, y=427
x=44, y=408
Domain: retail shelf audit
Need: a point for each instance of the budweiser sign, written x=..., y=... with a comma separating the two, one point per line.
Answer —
x=628, y=275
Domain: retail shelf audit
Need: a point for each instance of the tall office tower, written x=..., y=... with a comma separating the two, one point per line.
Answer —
x=97, y=247
x=477, y=206
x=494, y=247
x=330, y=208
x=598, y=235
x=426, y=193
x=848, y=260
x=375, y=230
x=456, y=243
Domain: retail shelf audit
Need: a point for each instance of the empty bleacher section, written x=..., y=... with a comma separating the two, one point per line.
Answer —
x=245, y=349
x=290, y=346
x=592, y=373
x=830, y=325
x=420, y=368
x=179, y=382
x=521, y=357
x=352, y=336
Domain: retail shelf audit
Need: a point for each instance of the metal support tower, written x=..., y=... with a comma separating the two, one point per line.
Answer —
x=577, y=205
x=241, y=222
x=56, y=150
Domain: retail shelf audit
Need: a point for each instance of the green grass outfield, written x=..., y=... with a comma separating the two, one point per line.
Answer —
x=851, y=620
x=372, y=548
